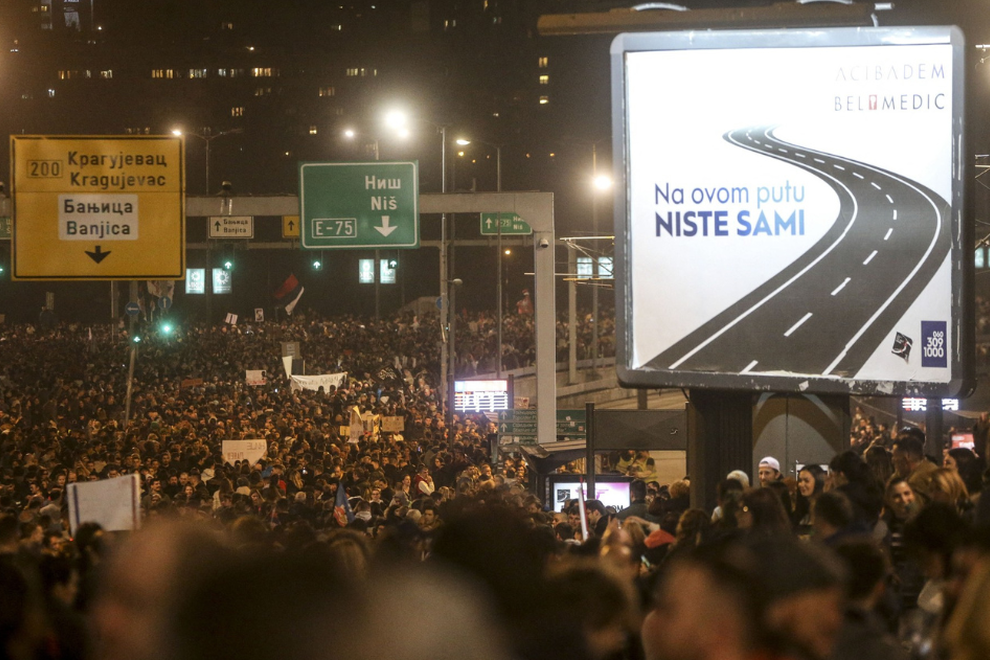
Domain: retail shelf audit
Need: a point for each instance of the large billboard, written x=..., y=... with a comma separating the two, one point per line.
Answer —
x=793, y=210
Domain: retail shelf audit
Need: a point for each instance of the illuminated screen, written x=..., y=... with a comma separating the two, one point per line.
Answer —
x=963, y=440
x=196, y=280
x=776, y=229
x=611, y=493
x=481, y=395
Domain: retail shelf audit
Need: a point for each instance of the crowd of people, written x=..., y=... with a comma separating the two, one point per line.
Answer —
x=477, y=340
x=348, y=540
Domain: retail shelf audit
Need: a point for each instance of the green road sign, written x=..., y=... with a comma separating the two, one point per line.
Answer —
x=512, y=224
x=359, y=205
x=522, y=422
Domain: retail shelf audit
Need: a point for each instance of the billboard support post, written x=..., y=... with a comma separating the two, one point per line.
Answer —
x=720, y=439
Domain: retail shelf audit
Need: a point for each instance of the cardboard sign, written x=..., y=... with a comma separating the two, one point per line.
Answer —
x=393, y=424
x=114, y=504
x=244, y=450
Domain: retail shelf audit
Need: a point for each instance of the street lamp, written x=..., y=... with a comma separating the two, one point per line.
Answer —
x=600, y=183
x=498, y=274
x=398, y=121
x=207, y=136
x=452, y=351
x=351, y=134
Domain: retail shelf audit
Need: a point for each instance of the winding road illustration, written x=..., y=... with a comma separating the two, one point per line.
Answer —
x=830, y=309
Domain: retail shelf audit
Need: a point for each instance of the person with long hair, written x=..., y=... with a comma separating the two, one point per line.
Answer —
x=811, y=484
x=849, y=473
x=880, y=462
x=948, y=488
x=969, y=466
x=762, y=514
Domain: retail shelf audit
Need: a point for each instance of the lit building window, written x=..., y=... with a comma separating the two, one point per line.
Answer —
x=158, y=73
x=197, y=73
x=544, y=100
x=106, y=74
x=51, y=93
x=312, y=130
x=585, y=268
x=544, y=79
x=543, y=62
x=263, y=91
x=328, y=91
x=338, y=111
x=337, y=27
x=354, y=71
x=264, y=72
x=237, y=111
x=226, y=26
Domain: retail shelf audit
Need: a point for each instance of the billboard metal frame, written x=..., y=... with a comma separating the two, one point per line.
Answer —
x=961, y=331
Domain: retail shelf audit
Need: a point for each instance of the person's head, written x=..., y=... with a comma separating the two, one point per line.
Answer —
x=866, y=570
x=594, y=510
x=637, y=490
x=811, y=481
x=692, y=527
x=762, y=513
x=833, y=514
x=599, y=599
x=933, y=535
x=908, y=453
x=769, y=470
x=947, y=487
x=728, y=489
x=741, y=477
x=804, y=586
x=708, y=607
x=899, y=498
x=574, y=516
x=146, y=578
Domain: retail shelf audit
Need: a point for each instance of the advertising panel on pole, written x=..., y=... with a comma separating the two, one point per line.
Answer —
x=793, y=214
x=98, y=208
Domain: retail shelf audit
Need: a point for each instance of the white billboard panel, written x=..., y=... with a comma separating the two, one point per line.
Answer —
x=793, y=209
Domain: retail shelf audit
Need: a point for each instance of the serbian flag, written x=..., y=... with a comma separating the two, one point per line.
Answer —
x=288, y=286
x=341, y=507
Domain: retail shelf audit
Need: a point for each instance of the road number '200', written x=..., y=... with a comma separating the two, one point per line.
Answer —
x=935, y=347
x=44, y=169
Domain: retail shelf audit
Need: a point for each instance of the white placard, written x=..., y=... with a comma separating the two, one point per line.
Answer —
x=316, y=382
x=114, y=504
x=244, y=450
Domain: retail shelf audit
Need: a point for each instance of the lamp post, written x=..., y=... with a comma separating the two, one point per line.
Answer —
x=207, y=136
x=452, y=352
x=498, y=274
x=351, y=134
x=600, y=183
x=398, y=121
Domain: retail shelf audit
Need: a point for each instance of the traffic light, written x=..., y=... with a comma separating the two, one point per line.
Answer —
x=317, y=264
x=166, y=328
x=228, y=265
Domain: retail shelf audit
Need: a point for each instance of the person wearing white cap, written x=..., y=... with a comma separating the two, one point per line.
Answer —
x=769, y=470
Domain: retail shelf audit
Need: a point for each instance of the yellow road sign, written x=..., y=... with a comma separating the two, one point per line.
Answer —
x=97, y=208
x=290, y=226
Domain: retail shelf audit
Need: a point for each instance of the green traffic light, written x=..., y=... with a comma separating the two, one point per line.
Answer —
x=136, y=339
x=227, y=265
x=317, y=265
x=167, y=328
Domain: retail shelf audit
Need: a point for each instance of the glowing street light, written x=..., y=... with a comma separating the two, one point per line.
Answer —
x=602, y=182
